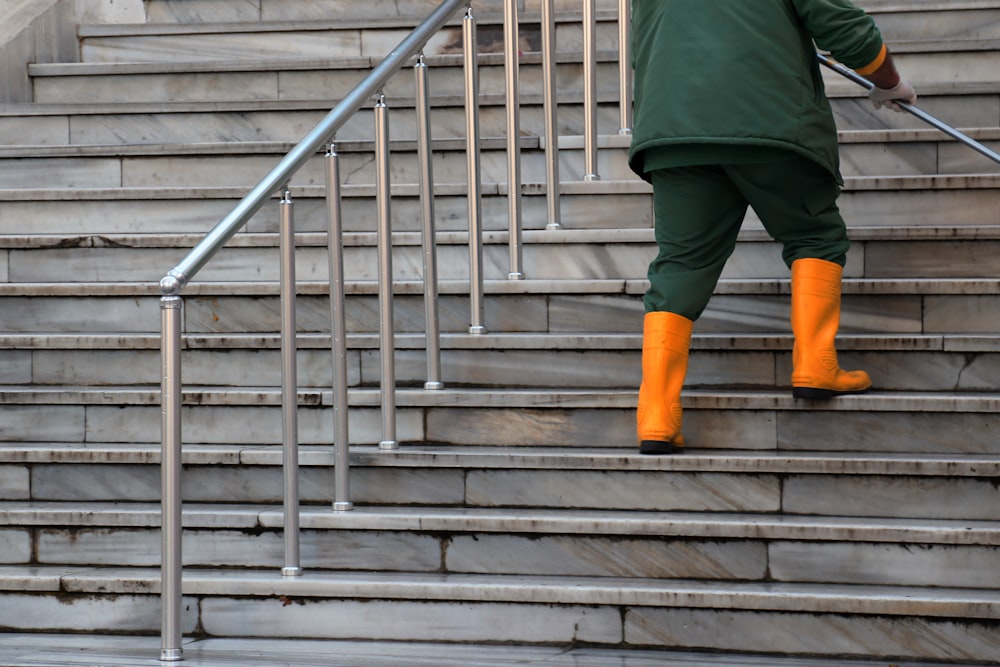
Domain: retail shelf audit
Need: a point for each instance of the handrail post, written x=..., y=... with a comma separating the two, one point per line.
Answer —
x=475, y=194
x=511, y=60
x=338, y=334
x=551, y=115
x=170, y=478
x=590, y=89
x=289, y=387
x=624, y=67
x=387, y=344
x=432, y=342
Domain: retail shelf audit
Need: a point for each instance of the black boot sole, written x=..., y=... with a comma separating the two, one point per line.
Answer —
x=816, y=394
x=658, y=447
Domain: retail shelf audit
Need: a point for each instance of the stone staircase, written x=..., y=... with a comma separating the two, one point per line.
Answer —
x=517, y=510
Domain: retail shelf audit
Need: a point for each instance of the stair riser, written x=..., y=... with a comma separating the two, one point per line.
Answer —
x=705, y=426
x=305, y=84
x=157, y=127
x=581, y=261
x=926, y=497
x=205, y=171
x=579, y=211
x=290, y=125
x=197, y=11
x=556, y=313
x=504, y=368
x=861, y=635
x=556, y=555
x=216, y=171
x=935, y=22
x=325, y=41
x=971, y=207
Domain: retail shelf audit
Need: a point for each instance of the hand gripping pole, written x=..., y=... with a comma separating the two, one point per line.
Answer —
x=911, y=109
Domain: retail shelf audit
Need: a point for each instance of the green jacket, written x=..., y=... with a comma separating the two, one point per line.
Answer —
x=729, y=80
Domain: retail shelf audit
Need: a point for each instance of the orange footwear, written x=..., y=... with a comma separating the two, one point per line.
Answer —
x=666, y=341
x=815, y=320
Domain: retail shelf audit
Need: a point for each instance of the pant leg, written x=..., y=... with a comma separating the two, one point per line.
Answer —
x=698, y=212
x=796, y=199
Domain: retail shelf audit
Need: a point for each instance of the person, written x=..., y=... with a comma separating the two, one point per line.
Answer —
x=729, y=112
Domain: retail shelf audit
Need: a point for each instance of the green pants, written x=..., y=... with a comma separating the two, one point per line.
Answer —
x=699, y=211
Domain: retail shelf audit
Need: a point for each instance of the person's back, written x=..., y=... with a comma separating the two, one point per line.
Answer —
x=741, y=73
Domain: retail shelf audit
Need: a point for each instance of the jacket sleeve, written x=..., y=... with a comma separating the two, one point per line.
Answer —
x=843, y=29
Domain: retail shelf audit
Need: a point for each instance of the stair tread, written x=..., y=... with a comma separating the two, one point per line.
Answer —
x=710, y=525
x=755, y=286
x=777, y=341
x=800, y=597
x=700, y=459
x=887, y=401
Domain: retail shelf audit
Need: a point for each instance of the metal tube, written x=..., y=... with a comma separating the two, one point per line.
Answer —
x=183, y=272
x=425, y=156
x=338, y=335
x=511, y=34
x=624, y=67
x=387, y=345
x=289, y=387
x=471, y=68
x=551, y=113
x=170, y=478
x=590, y=89
x=911, y=109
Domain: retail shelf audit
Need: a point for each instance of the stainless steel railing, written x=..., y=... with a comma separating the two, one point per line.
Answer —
x=276, y=182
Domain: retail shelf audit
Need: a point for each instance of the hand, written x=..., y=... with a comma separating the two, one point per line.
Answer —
x=902, y=92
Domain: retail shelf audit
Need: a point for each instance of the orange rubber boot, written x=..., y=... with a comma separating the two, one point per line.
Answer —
x=815, y=320
x=666, y=340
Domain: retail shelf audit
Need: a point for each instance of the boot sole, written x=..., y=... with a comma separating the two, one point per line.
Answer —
x=817, y=394
x=658, y=447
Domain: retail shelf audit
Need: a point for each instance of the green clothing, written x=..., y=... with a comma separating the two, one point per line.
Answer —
x=717, y=79
x=699, y=211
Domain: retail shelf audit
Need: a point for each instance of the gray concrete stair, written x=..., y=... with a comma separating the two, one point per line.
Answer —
x=517, y=509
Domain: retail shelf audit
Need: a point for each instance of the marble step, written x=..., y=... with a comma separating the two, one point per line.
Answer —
x=963, y=105
x=954, y=16
x=891, y=153
x=680, y=545
x=202, y=11
x=885, y=421
x=905, y=622
x=903, y=363
x=915, y=202
x=295, y=79
x=875, y=306
x=221, y=165
x=320, y=37
x=110, y=211
x=884, y=253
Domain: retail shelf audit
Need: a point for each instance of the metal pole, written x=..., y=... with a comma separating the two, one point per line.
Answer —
x=624, y=67
x=471, y=68
x=170, y=478
x=551, y=113
x=590, y=89
x=289, y=387
x=386, y=334
x=922, y=115
x=425, y=157
x=338, y=335
x=511, y=34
